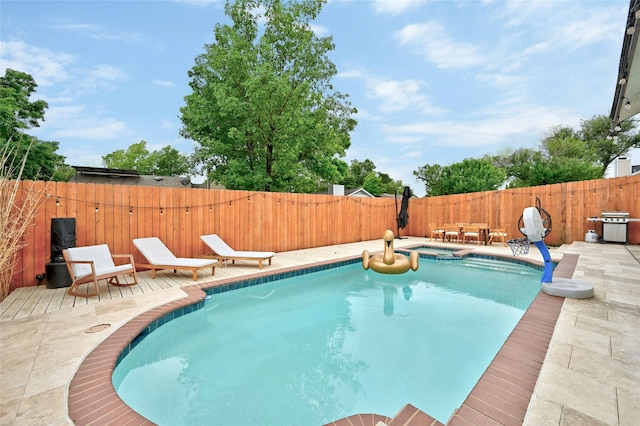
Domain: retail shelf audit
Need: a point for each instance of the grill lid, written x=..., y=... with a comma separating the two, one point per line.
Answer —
x=621, y=215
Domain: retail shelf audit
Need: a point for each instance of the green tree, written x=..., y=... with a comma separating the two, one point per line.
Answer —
x=606, y=145
x=563, y=156
x=17, y=114
x=166, y=162
x=262, y=108
x=363, y=174
x=358, y=172
x=470, y=175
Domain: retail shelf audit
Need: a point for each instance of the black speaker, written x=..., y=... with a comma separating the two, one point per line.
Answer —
x=63, y=236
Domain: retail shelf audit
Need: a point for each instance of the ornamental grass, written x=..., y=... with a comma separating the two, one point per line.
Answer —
x=17, y=211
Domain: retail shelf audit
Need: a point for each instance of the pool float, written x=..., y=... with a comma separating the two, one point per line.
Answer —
x=389, y=262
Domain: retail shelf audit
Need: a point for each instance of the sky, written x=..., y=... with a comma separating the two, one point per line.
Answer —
x=434, y=82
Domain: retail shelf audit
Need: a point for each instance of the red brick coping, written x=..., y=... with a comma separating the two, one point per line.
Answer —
x=500, y=397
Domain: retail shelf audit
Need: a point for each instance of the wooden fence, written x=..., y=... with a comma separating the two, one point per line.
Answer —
x=116, y=214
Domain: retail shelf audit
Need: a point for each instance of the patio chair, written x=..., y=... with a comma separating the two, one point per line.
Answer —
x=223, y=252
x=90, y=264
x=436, y=231
x=498, y=234
x=160, y=257
x=451, y=231
x=471, y=231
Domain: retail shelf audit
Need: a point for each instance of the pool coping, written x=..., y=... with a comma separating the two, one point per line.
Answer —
x=497, y=398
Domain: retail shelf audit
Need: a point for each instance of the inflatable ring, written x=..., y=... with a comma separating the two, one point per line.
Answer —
x=389, y=262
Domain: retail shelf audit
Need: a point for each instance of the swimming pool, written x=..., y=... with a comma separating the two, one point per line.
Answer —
x=320, y=349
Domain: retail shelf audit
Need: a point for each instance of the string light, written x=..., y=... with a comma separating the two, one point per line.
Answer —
x=280, y=200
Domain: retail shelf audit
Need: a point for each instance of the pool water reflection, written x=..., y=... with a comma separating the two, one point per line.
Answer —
x=322, y=346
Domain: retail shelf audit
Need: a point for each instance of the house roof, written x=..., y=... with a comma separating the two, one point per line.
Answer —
x=626, y=100
x=103, y=171
x=358, y=192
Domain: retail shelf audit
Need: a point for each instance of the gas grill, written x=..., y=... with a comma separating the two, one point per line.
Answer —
x=615, y=226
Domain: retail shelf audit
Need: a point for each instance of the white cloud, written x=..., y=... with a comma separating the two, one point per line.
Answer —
x=165, y=83
x=364, y=114
x=432, y=41
x=351, y=74
x=590, y=29
x=320, y=30
x=201, y=3
x=512, y=125
x=45, y=66
x=79, y=122
x=99, y=32
x=395, y=7
x=399, y=95
x=393, y=95
x=100, y=77
x=500, y=79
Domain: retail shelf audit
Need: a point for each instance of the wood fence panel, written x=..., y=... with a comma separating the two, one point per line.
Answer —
x=634, y=208
x=26, y=266
x=115, y=215
x=40, y=247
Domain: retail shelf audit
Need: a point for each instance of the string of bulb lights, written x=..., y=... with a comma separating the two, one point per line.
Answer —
x=358, y=201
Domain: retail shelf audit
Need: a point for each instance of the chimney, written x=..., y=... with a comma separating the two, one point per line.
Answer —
x=336, y=189
x=623, y=167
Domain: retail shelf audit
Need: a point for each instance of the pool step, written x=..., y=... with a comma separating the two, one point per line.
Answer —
x=482, y=263
x=408, y=416
x=361, y=420
x=412, y=416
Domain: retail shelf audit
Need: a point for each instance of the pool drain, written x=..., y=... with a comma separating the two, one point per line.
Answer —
x=97, y=328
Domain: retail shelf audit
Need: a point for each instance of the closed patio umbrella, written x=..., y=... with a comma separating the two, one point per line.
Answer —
x=403, y=217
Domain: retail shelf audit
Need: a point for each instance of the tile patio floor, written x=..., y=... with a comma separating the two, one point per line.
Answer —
x=591, y=374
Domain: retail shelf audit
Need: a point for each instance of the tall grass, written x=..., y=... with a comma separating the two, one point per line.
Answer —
x=17, y=211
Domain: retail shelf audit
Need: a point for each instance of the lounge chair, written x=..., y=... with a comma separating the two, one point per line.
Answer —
x=499, y=234
x=160, y=257
x=223, y=252
x=90, y=264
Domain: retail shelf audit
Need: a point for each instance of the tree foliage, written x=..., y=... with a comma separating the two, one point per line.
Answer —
x=364, y=174
x=605, y=146
x=166, y=162
x=17, y=114
x=262, y=108
x=564, y=155
x=470, y=175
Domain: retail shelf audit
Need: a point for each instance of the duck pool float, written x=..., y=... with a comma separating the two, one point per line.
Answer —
x=389, y=262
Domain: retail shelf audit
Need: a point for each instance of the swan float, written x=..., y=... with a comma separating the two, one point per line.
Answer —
x=389, y=262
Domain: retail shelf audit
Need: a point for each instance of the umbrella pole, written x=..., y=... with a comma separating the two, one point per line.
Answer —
x=397, y=217
x=397, y=225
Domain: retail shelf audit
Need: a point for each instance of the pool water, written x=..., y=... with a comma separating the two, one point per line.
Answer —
x=319, y=347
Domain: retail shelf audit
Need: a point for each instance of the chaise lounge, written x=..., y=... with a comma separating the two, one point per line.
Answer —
x=90, y=264
x=160, y=257
x=223, y=252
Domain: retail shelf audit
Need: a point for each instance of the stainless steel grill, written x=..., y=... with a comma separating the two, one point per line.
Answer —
x=615, y=226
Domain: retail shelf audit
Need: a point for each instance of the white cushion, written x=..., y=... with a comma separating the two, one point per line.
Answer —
x=156, y=253
x=99, y=254
x=222, y=249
